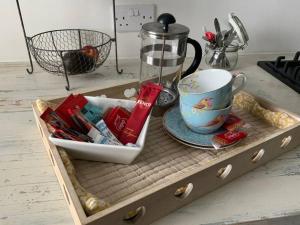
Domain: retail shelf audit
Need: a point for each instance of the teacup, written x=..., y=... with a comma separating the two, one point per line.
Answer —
x=204, y=121
x=209, y=89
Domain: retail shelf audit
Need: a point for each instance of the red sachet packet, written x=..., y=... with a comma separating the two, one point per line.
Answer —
x=69, y=103
x=60, y=128
x=66, y=135
x=149, y=92
x=227, y=138
x=51, y=118
x=116, y=120
x=233, y=123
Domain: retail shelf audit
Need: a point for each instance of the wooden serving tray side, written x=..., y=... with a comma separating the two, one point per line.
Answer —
x=160, y=200
x=63, y=178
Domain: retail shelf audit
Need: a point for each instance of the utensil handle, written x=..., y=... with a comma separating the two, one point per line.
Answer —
x=237, y=76
x=217, y=25
x=197, y=58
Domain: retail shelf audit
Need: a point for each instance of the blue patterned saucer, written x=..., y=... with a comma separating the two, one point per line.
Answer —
x=176, y=127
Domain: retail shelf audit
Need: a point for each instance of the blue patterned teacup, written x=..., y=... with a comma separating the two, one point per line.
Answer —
x=204, y=121
x=209, y=89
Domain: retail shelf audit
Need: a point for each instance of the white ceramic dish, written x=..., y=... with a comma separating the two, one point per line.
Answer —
x=100, y=152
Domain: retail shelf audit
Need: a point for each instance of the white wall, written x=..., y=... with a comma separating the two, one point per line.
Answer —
x=272, y=24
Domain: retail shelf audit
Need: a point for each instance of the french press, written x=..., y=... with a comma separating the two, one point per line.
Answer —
x=163, y=52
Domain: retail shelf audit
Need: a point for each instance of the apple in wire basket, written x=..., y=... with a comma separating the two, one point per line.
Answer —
x=76, y=62
x=91, y=52
x=81, y=61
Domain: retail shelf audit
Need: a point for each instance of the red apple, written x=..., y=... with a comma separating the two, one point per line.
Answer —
x=90, y=51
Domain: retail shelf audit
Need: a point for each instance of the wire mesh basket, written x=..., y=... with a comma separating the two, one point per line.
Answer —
x=70, y=51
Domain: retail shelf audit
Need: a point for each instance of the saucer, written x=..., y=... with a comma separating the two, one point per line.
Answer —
x=188, y=144
x=178, y=130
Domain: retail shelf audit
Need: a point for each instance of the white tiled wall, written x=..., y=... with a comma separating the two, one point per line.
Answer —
x=273, y=25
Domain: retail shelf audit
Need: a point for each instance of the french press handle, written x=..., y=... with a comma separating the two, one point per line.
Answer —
x=197, y=58
x=166, y=19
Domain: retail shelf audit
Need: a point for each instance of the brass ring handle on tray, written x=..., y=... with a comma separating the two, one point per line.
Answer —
x=257, y=156
x=184, y=192
x=134, y=215
x=224, y=172
x=286, y=141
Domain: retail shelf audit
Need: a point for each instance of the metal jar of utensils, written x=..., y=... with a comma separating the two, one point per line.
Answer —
x=220, y=58
x=222, y=47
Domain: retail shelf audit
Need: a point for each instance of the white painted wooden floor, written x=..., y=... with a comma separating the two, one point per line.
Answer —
x=30, y=194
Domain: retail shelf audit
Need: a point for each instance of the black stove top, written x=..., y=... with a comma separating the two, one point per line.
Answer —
x=287, y=71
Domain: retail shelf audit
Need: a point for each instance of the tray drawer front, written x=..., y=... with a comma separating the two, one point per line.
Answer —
x=164, y=201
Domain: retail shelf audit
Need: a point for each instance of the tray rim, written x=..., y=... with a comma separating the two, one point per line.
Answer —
x=60, y=171
x=64, y=180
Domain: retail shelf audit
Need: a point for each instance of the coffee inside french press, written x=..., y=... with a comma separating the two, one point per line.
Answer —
x=163, y=52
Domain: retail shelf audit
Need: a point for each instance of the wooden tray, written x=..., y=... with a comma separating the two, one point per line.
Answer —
x=150, y=183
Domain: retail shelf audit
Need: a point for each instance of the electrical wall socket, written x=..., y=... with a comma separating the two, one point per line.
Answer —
x=130, y=18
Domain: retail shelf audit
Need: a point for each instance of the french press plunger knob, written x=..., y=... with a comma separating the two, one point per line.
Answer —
x=166, y=19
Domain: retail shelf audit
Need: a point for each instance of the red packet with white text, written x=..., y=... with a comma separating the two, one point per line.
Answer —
x=149, y=92
x=228, y=138
x=116, y=120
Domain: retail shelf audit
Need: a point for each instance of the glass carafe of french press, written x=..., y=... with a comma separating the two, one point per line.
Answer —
x=163, y=51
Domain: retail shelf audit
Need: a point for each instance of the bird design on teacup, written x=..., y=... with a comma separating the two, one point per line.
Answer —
x=205, y=103
x=219, y=119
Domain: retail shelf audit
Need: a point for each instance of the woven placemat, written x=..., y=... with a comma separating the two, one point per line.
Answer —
x=161, y=161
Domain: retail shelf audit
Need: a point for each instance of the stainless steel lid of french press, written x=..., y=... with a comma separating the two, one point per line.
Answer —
x=158, y=30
